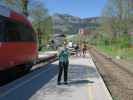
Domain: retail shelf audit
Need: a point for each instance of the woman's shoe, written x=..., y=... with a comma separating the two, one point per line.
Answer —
x=65, y=83
x=58, y=83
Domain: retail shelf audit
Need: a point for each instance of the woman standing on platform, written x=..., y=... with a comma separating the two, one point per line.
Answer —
x=63, y=64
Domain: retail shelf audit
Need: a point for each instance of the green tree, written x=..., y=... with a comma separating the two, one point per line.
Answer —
x=24, y=5
x=116, y=17
x=42, y=22
x=48, y=26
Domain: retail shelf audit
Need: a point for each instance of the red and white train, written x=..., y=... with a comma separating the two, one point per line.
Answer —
x=18, y=45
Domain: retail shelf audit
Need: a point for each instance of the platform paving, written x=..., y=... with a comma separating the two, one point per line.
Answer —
x=84, y=83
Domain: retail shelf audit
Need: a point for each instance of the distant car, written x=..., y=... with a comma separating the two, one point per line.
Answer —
x=72, y=50
x=70, y=44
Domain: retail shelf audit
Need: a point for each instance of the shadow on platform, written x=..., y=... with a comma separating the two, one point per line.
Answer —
x=30, y=88
x=80, y=82
x=82, y=72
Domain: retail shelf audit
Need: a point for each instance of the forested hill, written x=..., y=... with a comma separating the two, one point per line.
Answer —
x=68, y=24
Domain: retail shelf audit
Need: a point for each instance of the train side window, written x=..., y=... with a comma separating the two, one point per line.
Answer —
x=27, y=34
x=34, y=37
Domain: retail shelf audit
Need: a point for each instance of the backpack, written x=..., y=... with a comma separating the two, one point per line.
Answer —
x=63, y=56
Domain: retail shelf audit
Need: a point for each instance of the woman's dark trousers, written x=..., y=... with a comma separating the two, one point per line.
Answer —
x=63, y=67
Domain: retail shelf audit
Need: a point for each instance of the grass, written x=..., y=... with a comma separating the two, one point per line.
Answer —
x=46, y=49
x=115, y=98
x=113, y=51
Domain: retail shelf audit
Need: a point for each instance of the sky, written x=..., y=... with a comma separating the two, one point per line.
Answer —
x=80, y=8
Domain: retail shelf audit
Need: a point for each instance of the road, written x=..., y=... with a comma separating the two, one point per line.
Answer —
x=85, y=83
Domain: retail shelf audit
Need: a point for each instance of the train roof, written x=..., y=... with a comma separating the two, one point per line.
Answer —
x=9, y=13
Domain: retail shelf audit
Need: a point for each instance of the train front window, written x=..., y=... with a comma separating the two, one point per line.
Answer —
x=12, y=31
x=1, y=30
x=17, y=31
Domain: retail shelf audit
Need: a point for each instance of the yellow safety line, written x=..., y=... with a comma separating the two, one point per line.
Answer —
x=90, y=92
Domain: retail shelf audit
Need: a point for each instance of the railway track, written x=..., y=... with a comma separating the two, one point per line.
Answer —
x=118, y=78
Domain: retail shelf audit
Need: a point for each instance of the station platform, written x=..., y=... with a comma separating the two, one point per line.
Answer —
x=84, y=83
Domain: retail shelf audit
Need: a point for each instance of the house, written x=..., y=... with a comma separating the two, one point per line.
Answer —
x=84, y=32
x=58, y=40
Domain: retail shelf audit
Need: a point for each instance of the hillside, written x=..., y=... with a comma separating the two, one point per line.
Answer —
x=68, y=24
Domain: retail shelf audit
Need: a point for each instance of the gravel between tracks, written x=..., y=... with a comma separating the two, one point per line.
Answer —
x=118, y=81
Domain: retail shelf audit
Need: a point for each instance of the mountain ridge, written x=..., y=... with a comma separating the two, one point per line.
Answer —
x=68, y=24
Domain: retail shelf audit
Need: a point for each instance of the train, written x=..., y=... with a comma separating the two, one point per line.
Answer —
x=18, y=43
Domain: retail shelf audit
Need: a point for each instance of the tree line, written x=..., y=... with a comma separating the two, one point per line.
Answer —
x=116, y=23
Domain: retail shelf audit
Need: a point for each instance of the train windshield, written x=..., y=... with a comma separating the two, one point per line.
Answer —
x=18, y=32
x=14, y=31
